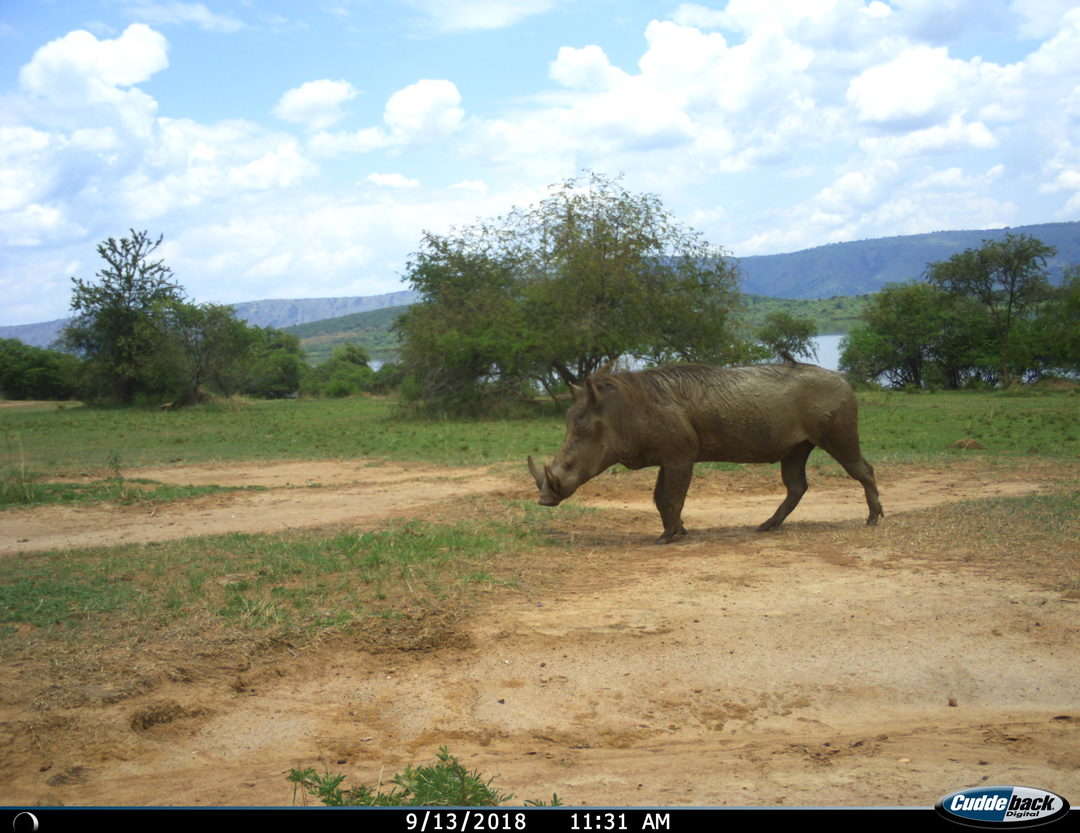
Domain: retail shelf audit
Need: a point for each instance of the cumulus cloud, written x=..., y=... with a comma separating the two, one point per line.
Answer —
x=315, y=104
x=392, y=181
x=428, y=109
x=1041, y=18
x=81, y=79
x=419, y=113
x=956, y=134
x=587, y=68
x=918, y=86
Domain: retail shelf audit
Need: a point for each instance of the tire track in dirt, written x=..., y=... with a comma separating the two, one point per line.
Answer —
x=298, y=496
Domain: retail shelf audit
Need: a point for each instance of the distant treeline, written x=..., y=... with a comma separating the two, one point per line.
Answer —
x=373, y=331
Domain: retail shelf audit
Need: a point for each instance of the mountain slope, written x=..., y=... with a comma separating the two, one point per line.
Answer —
x=838, y=269
x=866, y=266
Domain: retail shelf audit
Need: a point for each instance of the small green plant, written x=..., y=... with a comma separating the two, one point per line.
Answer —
x=446, y=783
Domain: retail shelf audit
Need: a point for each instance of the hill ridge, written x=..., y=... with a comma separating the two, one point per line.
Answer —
x=841, y=269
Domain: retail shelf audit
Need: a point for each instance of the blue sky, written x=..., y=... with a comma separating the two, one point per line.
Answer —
x=291, y=150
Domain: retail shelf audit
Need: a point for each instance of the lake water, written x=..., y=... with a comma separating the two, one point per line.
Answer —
x=828, y=350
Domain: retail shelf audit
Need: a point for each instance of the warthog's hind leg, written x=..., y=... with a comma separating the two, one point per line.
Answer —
x=793, y=472
x=864, y=473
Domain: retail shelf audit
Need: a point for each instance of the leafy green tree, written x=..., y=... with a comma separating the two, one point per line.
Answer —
x=345, y=373
x=1054, y=334
x=552, y=293
x=1008, y=277
x=903, y=324
x=275, y=365
x=784, y=333
x=206, y=345
x=28, y=372
x=116, y=327
x=613, y=274
x=468, y=332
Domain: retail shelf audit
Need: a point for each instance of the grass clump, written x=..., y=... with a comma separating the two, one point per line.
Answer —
x=22, y=489
x=445, y=783
x=299, y=583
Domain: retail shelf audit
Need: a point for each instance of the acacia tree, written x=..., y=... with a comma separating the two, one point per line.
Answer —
x=787, y=334
x=202, y=344
x=613, y=274
x=551, y=293
x=116, y=327
x=1008, y=278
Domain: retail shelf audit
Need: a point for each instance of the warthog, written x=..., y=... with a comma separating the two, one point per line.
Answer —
x=675, y=416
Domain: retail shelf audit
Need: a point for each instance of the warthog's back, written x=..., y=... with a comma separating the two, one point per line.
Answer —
x=751, y=414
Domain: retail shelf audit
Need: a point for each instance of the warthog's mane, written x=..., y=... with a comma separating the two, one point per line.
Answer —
x=693, y=382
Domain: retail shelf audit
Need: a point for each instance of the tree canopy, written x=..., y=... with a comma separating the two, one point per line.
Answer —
x=984, y=316
x=138, y=336
x=115, y=321
x=550, y=293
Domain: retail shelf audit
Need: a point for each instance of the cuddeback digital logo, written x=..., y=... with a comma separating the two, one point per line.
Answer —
x=1002, y=806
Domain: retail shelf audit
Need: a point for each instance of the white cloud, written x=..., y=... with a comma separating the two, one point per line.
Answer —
x=956, y=134
x=918, y=86
x=196, y=13
x=587, y=68
x=936, y=21
x=475, y=186
x=360, y=141
x=36, y=224
x=464, y=15
x=80, y=79
x=419, y=113
x=392, y=181
x=80, y=57
x=316, y=104
x=280, y=167
x=956, y=178
x=858, y=189
x=1041, y=17
x=428, y=109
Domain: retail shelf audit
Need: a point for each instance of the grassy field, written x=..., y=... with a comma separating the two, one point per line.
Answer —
x=297, y=585
x=53, y=440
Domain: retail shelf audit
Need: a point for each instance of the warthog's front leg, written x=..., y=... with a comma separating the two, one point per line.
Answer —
x=669, y=495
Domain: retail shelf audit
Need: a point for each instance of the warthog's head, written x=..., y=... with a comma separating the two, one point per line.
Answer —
x=585, y=451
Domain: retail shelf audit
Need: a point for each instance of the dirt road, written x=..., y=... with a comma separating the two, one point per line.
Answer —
x=826, y=664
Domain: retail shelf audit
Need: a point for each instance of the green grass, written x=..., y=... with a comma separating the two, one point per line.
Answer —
x=295, y=583
x=830, y=315
x=894, y=426
x=445, y=783
x=22, y=489
x=73, y=441
x=901, y=427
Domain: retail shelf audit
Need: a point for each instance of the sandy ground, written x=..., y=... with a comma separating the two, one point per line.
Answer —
x=813, y=666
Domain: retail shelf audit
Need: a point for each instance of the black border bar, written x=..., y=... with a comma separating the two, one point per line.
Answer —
x=479, y=819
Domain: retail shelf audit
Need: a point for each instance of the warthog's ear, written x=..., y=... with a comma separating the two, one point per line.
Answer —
x=592, y=393
x=576, y=391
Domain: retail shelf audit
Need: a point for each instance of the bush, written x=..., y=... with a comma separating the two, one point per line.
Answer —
x=446, y=783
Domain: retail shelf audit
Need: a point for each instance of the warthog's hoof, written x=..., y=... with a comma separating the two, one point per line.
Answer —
x=668, y=537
